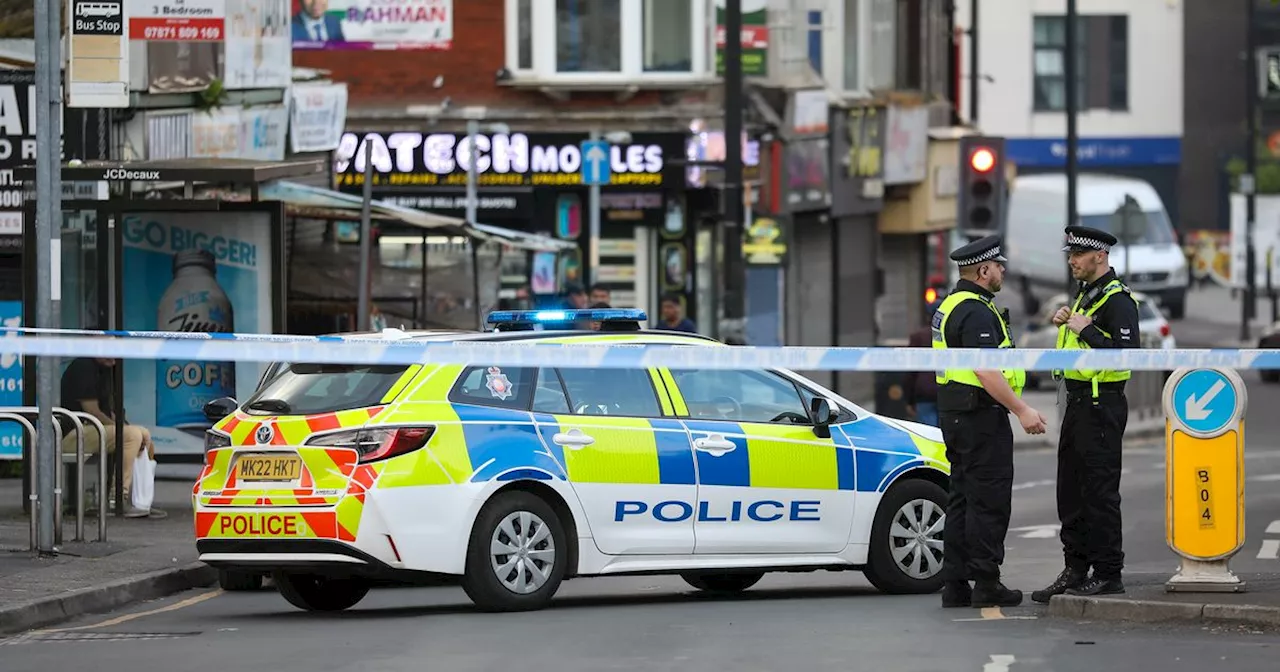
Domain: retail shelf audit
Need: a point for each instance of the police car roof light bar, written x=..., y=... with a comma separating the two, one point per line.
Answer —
x=509, y=317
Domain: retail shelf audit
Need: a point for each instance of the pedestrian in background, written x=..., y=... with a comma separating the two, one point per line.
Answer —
x=973, y=409
x=920, y=390
x=1104, y=315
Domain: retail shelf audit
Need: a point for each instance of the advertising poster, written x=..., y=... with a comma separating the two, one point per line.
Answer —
x=755, y=38
x=193, y=272
x=258, y=48
x=10, y=384
x=317, y=115
x=372, y=24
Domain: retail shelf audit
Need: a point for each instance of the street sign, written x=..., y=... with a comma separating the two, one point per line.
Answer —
x=1204, y=476
x=97, y=54
x=1205, y=402
x=595, y=163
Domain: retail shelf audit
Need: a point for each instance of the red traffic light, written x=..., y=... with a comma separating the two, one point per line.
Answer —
x=930, y=295
x=982, y=160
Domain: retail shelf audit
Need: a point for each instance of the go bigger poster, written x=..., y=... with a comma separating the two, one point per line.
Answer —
x=192, y=272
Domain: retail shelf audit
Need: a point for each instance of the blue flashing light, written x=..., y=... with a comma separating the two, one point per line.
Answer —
x=512, y=317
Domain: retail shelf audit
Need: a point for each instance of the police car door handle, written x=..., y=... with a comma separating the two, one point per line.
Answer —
x=573, y=439
x=715, y=444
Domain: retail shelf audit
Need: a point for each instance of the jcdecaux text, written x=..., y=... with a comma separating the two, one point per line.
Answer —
x=762, y=511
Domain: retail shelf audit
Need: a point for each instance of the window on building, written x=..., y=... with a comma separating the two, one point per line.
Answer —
x=815, y=41
x=603, y=40
x=882, y=37
x=852, y=59
x=1102, y=63
x=923, y=46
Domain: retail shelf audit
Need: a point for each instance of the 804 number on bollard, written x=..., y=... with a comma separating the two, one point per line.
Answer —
x=1204, y=476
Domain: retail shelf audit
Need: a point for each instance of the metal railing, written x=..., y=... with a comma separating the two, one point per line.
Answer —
x=19, y=414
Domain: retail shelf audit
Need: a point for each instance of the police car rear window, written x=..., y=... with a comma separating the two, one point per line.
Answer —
x=306, y=389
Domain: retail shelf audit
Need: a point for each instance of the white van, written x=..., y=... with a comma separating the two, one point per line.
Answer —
x=1037, y=216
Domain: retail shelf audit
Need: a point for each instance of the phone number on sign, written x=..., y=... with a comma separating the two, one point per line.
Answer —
x=211, y=33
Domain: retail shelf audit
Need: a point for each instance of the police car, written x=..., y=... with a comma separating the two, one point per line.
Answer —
x=511, y=480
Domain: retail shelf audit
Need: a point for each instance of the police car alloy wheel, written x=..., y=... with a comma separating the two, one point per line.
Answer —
x=517, y=554
x=320, y=593
x=722, y=583
x=905, y=555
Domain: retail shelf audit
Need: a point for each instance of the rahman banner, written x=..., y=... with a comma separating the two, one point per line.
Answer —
x=372, y=24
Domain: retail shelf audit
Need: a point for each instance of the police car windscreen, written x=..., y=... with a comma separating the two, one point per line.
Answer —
x=306, y=389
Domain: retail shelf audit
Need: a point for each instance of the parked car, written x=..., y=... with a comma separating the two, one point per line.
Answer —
x=1152, y=324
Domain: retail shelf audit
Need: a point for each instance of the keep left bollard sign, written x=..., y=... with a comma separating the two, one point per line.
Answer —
x=1204, y=476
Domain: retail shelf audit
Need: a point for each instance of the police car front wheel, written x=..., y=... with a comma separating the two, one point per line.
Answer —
x=905, y=555
x=517, y=554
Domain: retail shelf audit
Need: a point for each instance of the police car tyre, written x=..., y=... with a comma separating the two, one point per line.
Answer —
x=232, y=580
x=319, y=593
x=517, y=554
x=909, y=522
x=722, y=583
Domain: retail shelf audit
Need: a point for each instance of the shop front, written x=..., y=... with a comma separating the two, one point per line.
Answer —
x=533, y=183
x=857, y=190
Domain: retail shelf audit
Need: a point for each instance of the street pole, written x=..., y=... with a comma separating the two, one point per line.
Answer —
x=473, y=198
x=1073, y=139
x=974, y=75
x=366, y=245
x=593, y=225
x=48, y=214
x=1251, y=160
x=734, y=270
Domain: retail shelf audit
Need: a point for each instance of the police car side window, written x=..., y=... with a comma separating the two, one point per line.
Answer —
x=740, y=396
x=494, y=386
x=550, y=396
x=625, y=392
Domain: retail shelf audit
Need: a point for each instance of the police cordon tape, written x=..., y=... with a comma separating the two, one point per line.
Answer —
x=369, y=349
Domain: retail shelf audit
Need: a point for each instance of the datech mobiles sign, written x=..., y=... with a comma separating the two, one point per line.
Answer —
x=507, y=160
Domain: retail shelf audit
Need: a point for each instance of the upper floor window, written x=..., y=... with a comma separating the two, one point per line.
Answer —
x=1102, y=63
x=600, y=40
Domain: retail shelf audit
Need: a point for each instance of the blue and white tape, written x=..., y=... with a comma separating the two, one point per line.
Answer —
x=27, y=342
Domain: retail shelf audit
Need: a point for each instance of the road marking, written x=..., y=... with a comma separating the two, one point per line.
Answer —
x=999, y=663
x=994, y=614
x=1274, y=527
x=191, y=601
x=1270, y=550
x=1266, y=478
x=1033, y=484
x=1038, y=531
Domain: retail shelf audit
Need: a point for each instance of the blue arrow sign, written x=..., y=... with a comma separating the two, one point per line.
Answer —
x=595, y=163
x=1205, y=401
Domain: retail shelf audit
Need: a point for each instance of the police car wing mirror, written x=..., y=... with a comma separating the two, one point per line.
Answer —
x=220, y=408
x=823, y=413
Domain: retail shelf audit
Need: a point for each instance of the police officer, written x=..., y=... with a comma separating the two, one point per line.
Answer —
x=973, y=410
x=1103, y=315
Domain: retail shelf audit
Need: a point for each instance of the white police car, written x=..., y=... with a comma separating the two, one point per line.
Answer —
x=513, y=479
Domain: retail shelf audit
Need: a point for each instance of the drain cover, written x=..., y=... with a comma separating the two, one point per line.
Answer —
x=43, y=637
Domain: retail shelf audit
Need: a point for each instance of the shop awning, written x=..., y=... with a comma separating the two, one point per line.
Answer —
x=309, y=201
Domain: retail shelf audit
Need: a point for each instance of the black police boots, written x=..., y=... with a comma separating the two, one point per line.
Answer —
x=1068, y=579
x=956, y=594
x=992, y=593
x=1098, y=586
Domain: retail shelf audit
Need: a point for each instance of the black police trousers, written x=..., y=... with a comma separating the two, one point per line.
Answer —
x=1089, y=464
x=980, y=449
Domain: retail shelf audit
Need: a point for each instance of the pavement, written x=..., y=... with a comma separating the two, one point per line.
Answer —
x=143, y=585
x=140, y=559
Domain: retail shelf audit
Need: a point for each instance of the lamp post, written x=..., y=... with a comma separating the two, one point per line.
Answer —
x=474, y=116
x=593, y=207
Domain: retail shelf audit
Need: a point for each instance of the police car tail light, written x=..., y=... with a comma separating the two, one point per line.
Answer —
x=214, y=440
x=375, y=444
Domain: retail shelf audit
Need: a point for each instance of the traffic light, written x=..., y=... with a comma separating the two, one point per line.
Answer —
x=980, y=203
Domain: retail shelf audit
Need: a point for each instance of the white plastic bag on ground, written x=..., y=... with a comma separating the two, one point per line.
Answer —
x=144, y=482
